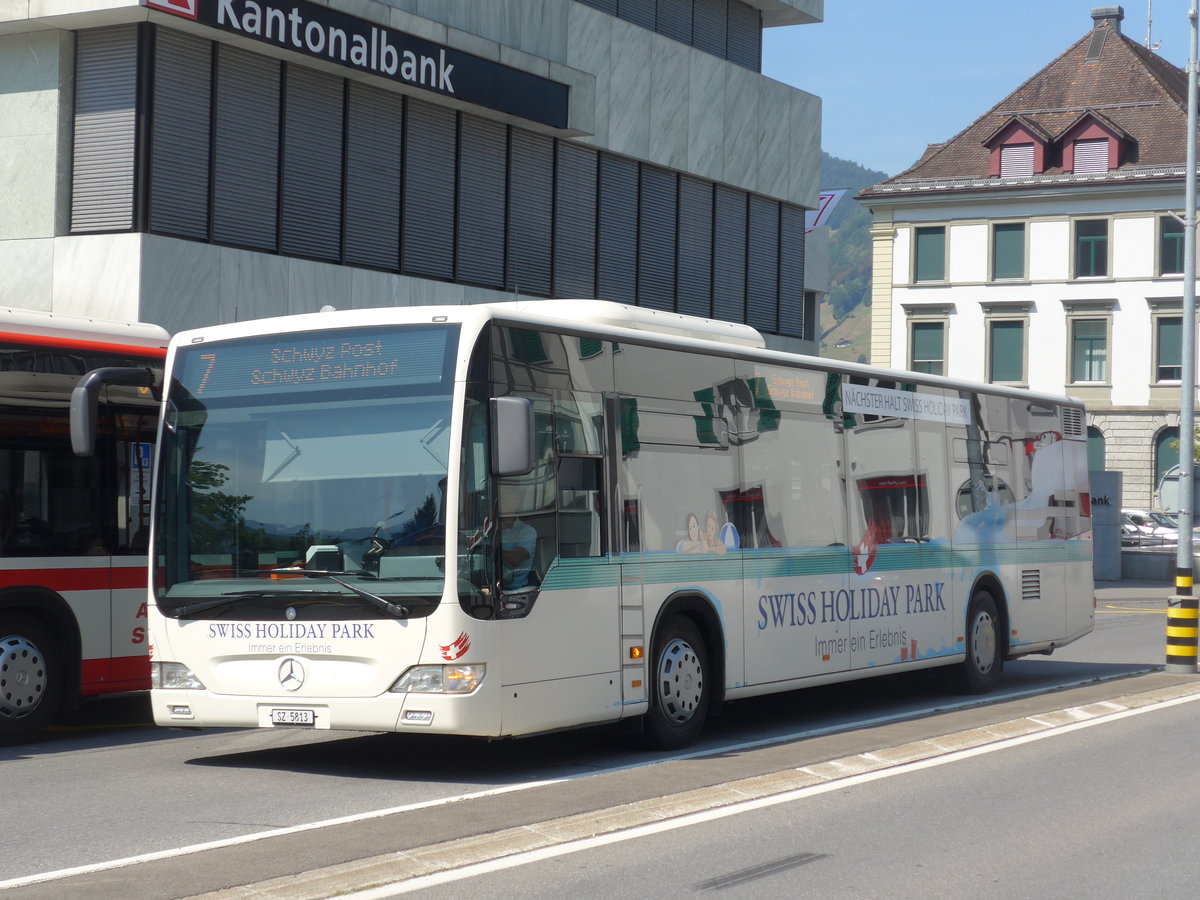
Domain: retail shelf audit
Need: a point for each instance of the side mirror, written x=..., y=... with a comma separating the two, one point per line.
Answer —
x=85, y=396
x=512, y=435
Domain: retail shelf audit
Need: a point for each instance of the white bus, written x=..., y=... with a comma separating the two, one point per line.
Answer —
x=505, y=519
x=73, y=532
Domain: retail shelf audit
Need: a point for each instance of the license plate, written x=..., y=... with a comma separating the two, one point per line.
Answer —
x=293, y=717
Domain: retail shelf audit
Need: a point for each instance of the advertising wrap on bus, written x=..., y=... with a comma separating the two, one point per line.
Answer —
x=504, y=519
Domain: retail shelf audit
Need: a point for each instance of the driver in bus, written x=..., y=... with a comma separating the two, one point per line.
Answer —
x=518, y=542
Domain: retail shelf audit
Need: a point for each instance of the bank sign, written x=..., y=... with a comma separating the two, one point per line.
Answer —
x=326, y=34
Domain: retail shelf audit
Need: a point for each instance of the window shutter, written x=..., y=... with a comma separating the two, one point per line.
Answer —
x=429, y=170
x=762, y=283
x=575, y=221
x=791, y=271
x=656, y=239
x=1091, y=156
x=530, y=212
x=639, y=12
x=695, y=246
x=616, y=243
x=311, y=200
x=709, y=24
x=179, y=137
x=744, y=40
x=374, y=137
x=1016, y=160
x=729, y=256
x=674, y=19
x=105, y=129
x=245, y=149
x=483, y=164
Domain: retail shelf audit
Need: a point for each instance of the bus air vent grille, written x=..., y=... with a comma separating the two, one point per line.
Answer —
x=1031, y=584
x=1072, y=422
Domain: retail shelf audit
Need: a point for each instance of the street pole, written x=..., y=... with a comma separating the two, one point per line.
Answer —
x=1183, y=614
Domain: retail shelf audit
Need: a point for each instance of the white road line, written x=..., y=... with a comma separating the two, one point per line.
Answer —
x=734, y=746
x=520, y=859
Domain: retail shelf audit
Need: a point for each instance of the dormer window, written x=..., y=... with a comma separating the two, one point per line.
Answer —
x=1093, y=144
x=1018, y=149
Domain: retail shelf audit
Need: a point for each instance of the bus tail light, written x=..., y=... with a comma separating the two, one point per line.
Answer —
x=455, y=679
x=173, y=676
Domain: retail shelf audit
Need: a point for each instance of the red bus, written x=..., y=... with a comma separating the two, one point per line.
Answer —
x=73, y=530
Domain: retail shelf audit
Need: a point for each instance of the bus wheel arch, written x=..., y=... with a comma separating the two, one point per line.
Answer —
x=686, y=655
x=986, y=636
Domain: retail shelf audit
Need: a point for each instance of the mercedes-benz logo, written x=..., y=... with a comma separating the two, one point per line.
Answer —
x=291, y=674
x=291, y=613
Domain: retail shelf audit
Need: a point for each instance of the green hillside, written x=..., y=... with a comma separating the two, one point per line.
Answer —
x=846, y=312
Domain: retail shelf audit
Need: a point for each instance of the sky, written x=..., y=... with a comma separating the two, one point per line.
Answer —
x=895, y=76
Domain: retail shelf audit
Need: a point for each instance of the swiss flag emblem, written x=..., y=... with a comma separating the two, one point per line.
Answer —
x=456, y=649
x=185, y=8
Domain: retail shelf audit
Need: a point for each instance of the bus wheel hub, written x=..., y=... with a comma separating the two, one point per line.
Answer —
x=22, y=677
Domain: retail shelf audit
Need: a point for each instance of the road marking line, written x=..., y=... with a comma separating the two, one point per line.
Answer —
x=382, y=892
x=405, y=871
x=740, y=746
x=1113, y=610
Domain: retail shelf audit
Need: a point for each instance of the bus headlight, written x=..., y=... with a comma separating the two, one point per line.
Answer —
x=173, y=676
x=440, y=679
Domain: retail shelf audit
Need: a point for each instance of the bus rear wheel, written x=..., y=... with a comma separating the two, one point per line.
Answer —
x=31, y=679
x=679, y=692
x=985, y=644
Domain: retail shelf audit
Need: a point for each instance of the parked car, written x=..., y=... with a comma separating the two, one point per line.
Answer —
x=1153, y=522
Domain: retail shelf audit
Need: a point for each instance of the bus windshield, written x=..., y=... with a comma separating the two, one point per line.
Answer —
x=322, y=453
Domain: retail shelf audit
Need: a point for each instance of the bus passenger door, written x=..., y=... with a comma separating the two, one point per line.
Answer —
x=130, y=477
x=625, y=526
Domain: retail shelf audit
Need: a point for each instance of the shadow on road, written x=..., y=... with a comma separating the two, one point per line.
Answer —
x=781, y=718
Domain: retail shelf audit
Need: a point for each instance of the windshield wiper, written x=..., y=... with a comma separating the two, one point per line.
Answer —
x=200, y=606
x=392, y=609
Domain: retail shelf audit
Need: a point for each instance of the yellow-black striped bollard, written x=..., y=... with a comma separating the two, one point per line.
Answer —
x=1183, y=617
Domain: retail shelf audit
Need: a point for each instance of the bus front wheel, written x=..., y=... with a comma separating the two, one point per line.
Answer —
x=31, y=678
x=985, y=644
x=679, y=692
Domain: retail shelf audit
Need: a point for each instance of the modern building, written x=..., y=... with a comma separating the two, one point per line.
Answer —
x=1043, y=246
x=188, y=162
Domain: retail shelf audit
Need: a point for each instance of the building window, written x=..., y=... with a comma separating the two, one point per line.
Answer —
x=1089, y=350
x=1016, y=160
x=929, y=262
x=1166, y=452
x=1170, y=246
x=1006, y=351
x=1091, y=248
x=1095, y=449
x=928, y=343
x=1008, y=250
x=1168, y=348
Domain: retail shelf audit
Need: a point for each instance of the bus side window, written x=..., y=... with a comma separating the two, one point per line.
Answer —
x=579, y=513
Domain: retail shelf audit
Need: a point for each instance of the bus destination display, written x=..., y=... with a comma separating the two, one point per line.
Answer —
x=369, y=358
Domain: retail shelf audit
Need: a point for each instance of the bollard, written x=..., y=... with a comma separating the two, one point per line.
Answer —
x=1183, y=616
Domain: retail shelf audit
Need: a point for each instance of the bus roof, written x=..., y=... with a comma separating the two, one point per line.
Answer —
x=605, y=318
x=56, y=328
